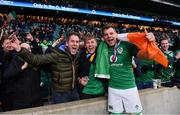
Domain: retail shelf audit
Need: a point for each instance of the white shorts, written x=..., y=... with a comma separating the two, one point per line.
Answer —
x=124, y=100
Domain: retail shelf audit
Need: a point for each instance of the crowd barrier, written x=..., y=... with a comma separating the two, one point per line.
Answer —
x=154, y=101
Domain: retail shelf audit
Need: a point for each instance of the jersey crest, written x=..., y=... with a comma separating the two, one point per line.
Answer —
x=120, y=50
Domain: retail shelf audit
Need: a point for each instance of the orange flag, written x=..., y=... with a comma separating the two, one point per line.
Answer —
x=148, y=50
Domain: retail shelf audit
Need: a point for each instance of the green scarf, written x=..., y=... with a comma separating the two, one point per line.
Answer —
x=102, y=61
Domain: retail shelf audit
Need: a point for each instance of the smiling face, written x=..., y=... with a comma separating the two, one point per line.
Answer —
x=110, y=36
x=6, y=42
x=7, y=45
x=90, y=44
x=164, y=45
x=73, y=44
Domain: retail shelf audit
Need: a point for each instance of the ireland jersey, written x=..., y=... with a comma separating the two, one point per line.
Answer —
x=166, y=73
x=94, y=85
x=121, y=71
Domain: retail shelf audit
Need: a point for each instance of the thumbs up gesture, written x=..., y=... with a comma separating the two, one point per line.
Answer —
x=150, y=36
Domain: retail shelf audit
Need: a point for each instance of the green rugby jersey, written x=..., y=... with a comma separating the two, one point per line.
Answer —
x=166, y=73
x=121, y=71
x=94, y=85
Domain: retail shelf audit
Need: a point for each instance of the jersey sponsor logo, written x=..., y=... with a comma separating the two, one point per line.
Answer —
x=117, y=65
x=113, y=59
x=120, y=50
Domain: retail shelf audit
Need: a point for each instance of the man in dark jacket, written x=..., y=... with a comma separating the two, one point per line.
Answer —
x=64, y=63
x=6, y=87
x=20, y=86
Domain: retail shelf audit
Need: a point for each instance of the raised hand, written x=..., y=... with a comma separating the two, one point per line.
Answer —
x=57, y=42
x=15, y=43
x=29, y=37
x=150, y=36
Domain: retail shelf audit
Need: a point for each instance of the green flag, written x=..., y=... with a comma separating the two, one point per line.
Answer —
x=102, y=61
x=11, y=16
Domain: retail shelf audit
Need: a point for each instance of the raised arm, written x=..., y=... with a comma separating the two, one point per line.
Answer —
x=30, y=57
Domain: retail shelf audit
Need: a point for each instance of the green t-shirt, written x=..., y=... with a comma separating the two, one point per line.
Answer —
x=94, y=85
x=149, y=75
x=121, y=71
x=166, y=73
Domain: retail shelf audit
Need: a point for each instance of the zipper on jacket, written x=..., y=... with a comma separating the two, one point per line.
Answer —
x=74, y=76
x=60, y=79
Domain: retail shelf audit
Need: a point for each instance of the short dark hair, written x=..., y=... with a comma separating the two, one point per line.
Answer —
x=107, y=27
x=72, y=33
x=4, y=37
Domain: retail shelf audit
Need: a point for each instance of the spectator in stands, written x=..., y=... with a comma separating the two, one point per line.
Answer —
x=176, y=44
x=7, y=86
x=165, y=74
x=122, y=93
x=44, y=45
x=46, y=81
x=21, y=81
x=90, y=86
x=35, y=48
x=176, y=78
x=64, y=63
x=44, y=70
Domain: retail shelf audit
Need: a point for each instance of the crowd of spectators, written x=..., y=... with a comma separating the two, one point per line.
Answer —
x=42, y=32
x=50, y=31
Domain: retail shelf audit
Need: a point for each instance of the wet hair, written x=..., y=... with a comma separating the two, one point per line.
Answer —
x=71, y=34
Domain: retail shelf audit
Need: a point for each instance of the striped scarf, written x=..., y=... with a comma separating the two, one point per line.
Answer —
x=90, y=57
